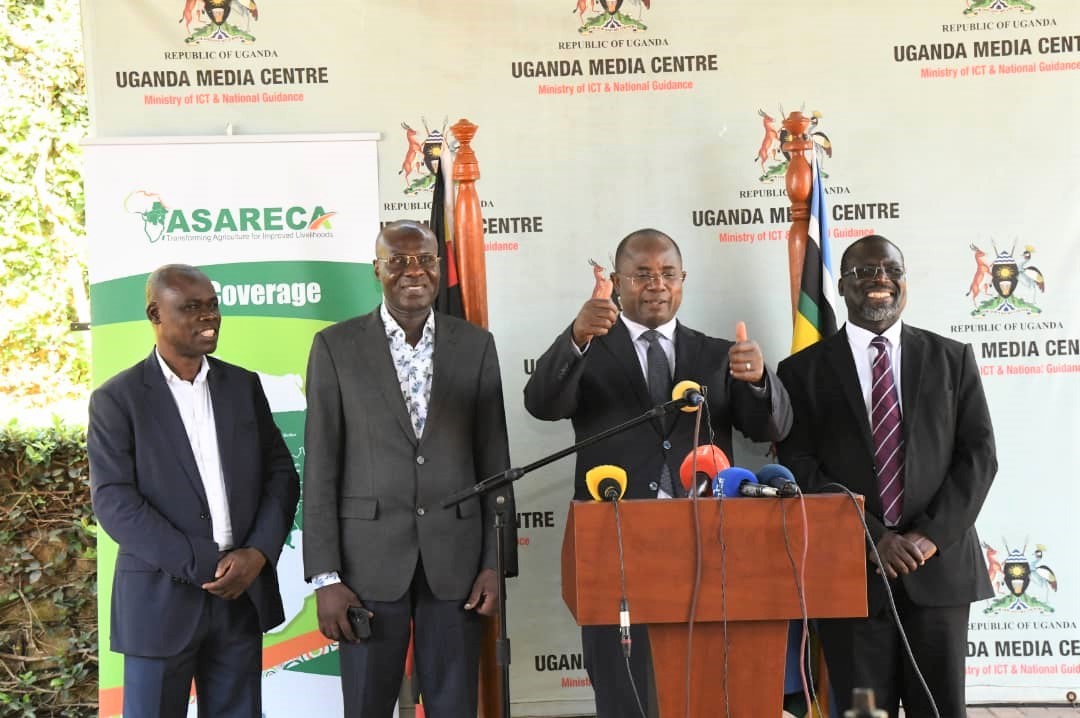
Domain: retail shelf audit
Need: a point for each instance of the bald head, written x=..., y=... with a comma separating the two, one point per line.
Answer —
x=643, y=239
x=392, y=235
x=168, y=276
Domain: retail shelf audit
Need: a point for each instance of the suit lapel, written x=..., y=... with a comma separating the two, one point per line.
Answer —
x=688, y=346
x=913, y=357
x=446, y=338
x=839, y=353
x=163, y=409
x=619, y=345
x=223, y=402
x=374, y=348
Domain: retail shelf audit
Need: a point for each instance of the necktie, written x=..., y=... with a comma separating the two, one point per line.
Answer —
x=888, y=433
x=659, y=376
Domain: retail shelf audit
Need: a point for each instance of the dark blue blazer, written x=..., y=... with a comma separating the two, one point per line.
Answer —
x=148, y=495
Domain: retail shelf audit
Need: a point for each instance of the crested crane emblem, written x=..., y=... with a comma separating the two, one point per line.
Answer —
x=1022, y=581
x=608, y=15
x=974, y=7
x=773, y=158
x=422, y=156
x=1004, y=284
x=219, y=20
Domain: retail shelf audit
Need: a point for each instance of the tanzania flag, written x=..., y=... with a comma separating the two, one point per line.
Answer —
x=816, y=314
x=448, y=300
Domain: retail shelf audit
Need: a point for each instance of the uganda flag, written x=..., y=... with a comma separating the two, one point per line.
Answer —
x=815, y=316
x=448, y=300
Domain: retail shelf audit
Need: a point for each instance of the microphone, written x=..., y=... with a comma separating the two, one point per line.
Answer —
x=606, y=482
x=689, y=392
x=711, y=460
x=737, y=481
x=780, y=478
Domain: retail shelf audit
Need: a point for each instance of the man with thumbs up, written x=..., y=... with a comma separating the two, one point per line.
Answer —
x=608, y=367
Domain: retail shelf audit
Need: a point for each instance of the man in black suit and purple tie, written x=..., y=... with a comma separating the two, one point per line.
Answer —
x=897, y=414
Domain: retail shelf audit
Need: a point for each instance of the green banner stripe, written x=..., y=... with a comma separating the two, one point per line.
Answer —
x=327, y=291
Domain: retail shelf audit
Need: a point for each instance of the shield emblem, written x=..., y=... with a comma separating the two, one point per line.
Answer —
x=218, y=10
x=612, y=6
x=1017, y=574
x=432, y=150
x=1003, y=274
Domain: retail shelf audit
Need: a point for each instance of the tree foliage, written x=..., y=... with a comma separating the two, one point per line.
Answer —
x=43, y=283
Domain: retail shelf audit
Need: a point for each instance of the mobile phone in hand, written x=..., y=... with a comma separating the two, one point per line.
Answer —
x=360, y=622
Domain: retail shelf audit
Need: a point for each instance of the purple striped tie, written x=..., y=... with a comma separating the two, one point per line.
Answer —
x=888, y=433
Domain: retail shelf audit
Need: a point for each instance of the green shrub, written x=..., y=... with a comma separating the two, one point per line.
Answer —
x=48, y=574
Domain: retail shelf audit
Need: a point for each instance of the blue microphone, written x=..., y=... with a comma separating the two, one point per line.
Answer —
x=737, y=481
x=780, y=478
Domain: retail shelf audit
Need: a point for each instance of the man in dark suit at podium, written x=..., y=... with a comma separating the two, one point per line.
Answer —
x=190, y=476
x=897, y=414
x=607, y=368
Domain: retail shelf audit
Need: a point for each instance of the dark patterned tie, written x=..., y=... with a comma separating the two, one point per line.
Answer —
x=659, y=392
x=888, y=433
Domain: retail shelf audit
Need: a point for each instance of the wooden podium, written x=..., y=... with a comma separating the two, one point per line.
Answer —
x=752, y=581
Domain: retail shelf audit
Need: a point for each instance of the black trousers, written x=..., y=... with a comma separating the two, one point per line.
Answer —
x=604, y=661
x=224, y=657
x=868, y=653
x=447, y=656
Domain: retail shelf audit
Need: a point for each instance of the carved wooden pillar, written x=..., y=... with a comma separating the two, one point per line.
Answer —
x=472, y=278
x=799, y=182
x=469, y=228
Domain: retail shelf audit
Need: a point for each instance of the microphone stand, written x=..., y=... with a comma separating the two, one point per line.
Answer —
x=504, y=478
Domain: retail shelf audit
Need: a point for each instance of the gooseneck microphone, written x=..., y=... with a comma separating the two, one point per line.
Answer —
x=780, y=478
x=711, y=460
x=737, y=481
x=688, y=392
x=607, y=482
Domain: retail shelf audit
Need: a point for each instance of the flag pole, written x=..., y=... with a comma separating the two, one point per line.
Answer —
x=799, y=181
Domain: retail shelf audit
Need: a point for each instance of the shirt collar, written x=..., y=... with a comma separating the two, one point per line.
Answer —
x=171, y=377
x=860, y=338
x=666, y=330
x=393, y=329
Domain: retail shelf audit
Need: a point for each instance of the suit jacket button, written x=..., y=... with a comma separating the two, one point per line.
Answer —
x=653, y=486
x=667, y=445
x=420, y=511
x=420, y=460
x=204, y=516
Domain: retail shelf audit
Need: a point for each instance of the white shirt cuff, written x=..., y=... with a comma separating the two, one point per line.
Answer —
x=322, y=580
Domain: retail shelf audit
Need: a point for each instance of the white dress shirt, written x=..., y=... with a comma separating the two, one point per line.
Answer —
x=859, y=340
x=197, y=412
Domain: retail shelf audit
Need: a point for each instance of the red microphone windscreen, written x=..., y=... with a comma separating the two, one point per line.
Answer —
x=711, y=460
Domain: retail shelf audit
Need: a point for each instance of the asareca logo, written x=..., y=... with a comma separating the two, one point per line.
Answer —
x=161, y=222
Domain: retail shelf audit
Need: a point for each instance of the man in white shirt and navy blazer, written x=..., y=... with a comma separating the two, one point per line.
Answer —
x=191, y=477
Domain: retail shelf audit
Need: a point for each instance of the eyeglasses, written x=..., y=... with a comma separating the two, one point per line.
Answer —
x=870, y=271
x=644, y=279
x=400, y=262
